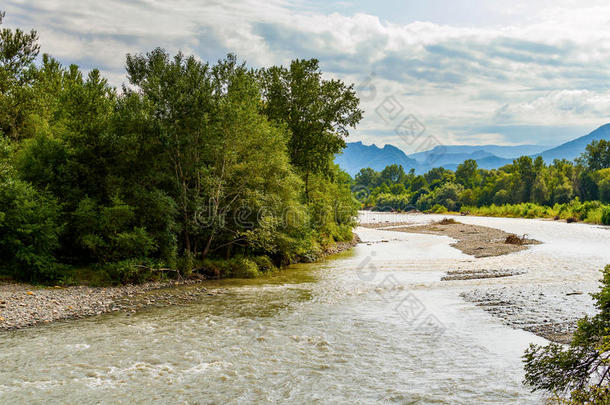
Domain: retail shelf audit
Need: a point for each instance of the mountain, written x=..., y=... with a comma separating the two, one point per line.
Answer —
x=357, y=156
x=571, y=150
x=506, y=152
x=440, y=156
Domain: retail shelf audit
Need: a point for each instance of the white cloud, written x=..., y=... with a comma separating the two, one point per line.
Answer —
x=547, y=64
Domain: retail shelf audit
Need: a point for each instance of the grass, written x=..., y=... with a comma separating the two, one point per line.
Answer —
x=590, y=211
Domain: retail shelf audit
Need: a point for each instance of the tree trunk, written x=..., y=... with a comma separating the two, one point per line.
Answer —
x=206, y=250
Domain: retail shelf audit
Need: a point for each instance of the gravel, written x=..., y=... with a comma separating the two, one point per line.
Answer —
x=550, y=311
x=24, y=305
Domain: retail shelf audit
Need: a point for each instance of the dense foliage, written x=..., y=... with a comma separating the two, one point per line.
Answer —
x=527, y=187
x=580, y=372
x=190, y=164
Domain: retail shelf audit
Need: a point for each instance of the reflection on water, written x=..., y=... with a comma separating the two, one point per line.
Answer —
x=330, y=332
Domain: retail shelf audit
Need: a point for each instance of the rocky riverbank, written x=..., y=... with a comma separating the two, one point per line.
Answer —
x=25, y=305
x=551, y=311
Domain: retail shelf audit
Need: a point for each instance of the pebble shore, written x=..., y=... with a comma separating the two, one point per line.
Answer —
x=24, y=305
x=551, y=312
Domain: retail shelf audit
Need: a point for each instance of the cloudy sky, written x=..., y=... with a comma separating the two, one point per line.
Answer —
x=470, y=71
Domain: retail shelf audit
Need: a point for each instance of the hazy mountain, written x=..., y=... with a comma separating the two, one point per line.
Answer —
x=444, y=157
x=507, y=152
x=573, y=149
x=357, y=156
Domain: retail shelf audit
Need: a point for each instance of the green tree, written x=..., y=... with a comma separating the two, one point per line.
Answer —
x=540, y=192
x=177, y=94
x=596, y=155
x=392, y=174
x=366, y=178
x=318, y=113
x=18, y=49
x=467, y=174
x=526, y=174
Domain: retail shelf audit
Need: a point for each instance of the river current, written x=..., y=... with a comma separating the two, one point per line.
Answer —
x=372, y=325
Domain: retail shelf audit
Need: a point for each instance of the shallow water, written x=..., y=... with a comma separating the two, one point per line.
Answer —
x=374, y=325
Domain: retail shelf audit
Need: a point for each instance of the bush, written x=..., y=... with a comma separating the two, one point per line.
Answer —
x=438, y=209
x=389, y=202
x=130, y=271
x=29, y=232
x=108, y=234
x=235, y=267
x=605, y=219
x=264, y=264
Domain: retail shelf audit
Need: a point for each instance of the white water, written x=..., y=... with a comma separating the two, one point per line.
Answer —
x=335, y=332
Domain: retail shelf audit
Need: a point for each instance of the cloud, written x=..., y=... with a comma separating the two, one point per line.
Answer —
x=538, y=64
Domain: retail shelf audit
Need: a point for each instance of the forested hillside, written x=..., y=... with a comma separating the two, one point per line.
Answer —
x=213, y=168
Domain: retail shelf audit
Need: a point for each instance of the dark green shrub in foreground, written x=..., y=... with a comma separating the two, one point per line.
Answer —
x=130, y=271
x=29, y=231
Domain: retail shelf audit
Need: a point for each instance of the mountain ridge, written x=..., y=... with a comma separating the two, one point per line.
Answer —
x=357, y=155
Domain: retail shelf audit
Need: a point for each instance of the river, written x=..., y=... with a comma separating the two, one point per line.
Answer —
x=372, y=325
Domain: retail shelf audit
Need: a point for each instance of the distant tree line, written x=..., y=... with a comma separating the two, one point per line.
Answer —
x=191, y=166
x=524, y=181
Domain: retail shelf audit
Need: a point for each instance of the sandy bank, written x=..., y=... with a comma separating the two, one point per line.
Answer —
x=475, y=240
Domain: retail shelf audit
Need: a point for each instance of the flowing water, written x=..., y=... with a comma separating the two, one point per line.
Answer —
x=373, y=325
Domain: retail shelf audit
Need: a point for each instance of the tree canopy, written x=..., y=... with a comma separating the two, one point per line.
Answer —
x=188, y=165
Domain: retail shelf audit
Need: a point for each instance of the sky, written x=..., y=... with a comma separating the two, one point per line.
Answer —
x=429, y=72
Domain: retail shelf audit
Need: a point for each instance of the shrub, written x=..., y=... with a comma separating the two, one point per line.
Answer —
x=29, y=231
x=438, y=209
x=108, y=234
x=131, y=271
x=235, y=267
x=606, y=216
x=264, y=264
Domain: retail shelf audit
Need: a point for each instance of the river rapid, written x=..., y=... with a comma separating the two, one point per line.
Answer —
x=372, y=325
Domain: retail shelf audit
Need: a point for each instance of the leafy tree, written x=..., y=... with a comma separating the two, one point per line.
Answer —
x=525, y=172
x=540, y=192
x=596, y=155
x=18, y=49
x=318, y=113
x=392, y=174
x=367, y=177
x=467, y=174
x=177, y=95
